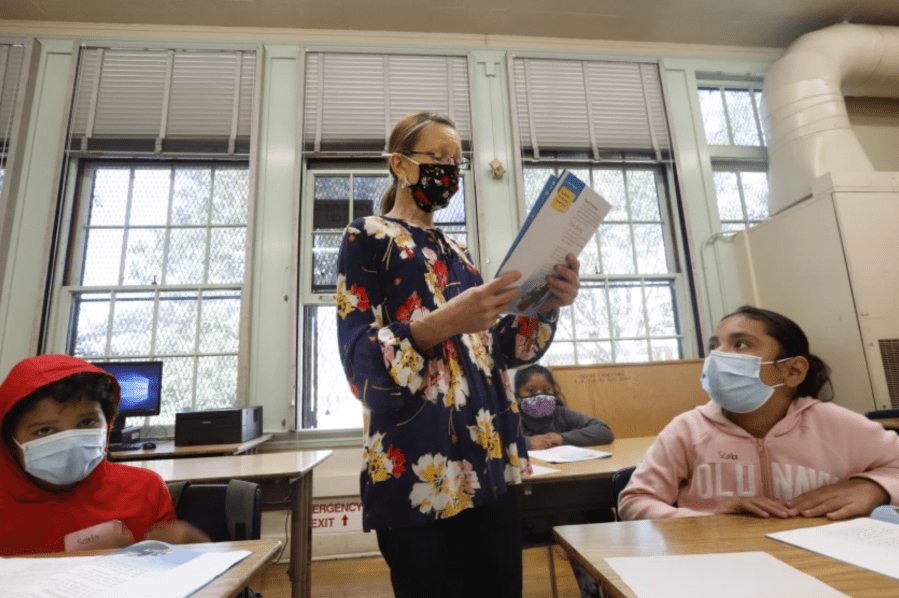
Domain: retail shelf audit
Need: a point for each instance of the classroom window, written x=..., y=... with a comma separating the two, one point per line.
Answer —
x=157, y=194
x=610, y=129
x=627, y=307
x=351, y=102
x=732, y=117
x=156, y=270
x=339, y=197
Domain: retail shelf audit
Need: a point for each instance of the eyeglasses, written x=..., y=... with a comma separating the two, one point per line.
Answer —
x=462, y=163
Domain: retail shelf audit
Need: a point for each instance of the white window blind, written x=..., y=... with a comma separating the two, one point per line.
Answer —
x=590, y=105
x=353, y=100
x=11, y=57
x=164, y=100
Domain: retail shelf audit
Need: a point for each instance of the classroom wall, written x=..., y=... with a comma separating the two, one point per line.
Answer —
x=271, y=368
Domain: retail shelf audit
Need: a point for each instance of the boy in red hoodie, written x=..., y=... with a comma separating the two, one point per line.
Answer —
x=57, y=490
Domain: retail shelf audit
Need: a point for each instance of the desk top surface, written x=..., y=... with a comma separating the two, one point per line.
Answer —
x=625, y=452
x=166, y=449
x=257, y=467
x=592, y=544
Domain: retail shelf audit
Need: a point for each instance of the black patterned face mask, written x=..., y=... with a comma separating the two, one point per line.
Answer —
x=437, y=183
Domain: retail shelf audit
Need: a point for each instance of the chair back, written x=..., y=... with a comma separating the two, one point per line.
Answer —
x=882, y=414
x=225, y=512
x=619, y=480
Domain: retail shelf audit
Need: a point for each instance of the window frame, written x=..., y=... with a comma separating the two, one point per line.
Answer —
x=69, y=256
x=311, y=299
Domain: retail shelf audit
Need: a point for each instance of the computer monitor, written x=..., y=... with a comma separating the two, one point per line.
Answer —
x=141, y=384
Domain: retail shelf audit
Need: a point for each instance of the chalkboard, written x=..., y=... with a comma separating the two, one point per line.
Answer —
x=635, y=399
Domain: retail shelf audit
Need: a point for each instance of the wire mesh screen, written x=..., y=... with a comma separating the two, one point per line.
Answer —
x=329, y=403
x=159, y=271
x=626, y=309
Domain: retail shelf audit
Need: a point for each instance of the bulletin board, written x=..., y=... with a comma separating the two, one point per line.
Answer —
x=635, y=399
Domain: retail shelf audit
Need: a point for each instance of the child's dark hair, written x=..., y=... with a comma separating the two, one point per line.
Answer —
x=523, y=375
x=83, y=385
x=793, y=343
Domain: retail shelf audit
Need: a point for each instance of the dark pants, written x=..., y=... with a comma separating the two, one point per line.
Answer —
x=476, y=553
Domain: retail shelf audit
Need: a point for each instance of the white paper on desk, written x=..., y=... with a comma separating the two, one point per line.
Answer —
x=567, y=454
x=734, y=574
x=540, y=470
x=117, y=575
x=863, y=542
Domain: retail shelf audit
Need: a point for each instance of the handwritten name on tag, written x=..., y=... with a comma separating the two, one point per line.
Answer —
x=88, y=537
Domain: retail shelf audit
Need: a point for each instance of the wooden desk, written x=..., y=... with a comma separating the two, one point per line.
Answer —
x=592, y=544
x=230, y=583
x=166, y=449
x=890, y=423
x=583, y=485
x=295, y=466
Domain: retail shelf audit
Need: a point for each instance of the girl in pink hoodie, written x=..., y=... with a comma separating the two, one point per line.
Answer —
x=765, y=444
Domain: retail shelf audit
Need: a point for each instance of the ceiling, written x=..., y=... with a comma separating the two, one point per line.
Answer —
x=754, y=23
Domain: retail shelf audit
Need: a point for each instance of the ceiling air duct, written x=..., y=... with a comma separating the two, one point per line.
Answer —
x=808, y=127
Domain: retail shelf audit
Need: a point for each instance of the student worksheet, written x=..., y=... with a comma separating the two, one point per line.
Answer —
x=732, y=574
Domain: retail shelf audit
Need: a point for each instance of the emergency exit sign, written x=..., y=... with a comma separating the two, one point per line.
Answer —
x=336, y=515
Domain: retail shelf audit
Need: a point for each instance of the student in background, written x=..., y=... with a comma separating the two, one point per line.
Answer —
x=57, y=490
x=546, y=419
x=426, y=350
x=765, y=444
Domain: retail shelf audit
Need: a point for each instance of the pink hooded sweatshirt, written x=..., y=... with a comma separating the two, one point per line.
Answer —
x=702, y=459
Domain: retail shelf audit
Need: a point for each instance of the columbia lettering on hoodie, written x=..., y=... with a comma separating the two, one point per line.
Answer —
x=35, y=521
x=702, y=459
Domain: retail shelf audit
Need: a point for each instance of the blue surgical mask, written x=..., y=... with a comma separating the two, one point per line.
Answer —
x=732, y=381
x=538, y=406
x=65, y=457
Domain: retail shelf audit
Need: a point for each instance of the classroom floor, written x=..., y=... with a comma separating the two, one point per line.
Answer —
x=369, y=577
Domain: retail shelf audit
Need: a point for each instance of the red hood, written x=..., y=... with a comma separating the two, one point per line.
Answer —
x=25, y=377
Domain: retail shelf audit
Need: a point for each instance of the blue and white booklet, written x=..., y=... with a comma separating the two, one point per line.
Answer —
x=564, y=218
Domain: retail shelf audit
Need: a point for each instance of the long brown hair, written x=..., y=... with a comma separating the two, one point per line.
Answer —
x=403, y=139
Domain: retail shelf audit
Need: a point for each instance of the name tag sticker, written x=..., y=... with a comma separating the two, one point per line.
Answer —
x=86, y=538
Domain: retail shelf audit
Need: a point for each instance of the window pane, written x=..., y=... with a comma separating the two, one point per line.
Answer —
x=187, y=256
x=191, y=195
x=594, y=352
x=330, y=400
x=564, y=330
x=216, y=382
x=132, y=324
x=610, y=184
x=666, y=349
x=712, y=105
x=325, y=249
x=617, y=249
x=728, y=195
x=176, y=323
x=650, y=244
x=534, y=180
x=742, y=117
x=150, y=197
x=660, y=309
x=143, y=258
x=559, y=353
x=90, y=323
x=591, y=312
x=102, y=257
x=755, y=192
x=227, y=251
x=110, y=197
x=626, y=301
x=454, y=212
x=177, y=389
x=219, y=321
x=643, y=194
x=230, y=196
x=630, y=351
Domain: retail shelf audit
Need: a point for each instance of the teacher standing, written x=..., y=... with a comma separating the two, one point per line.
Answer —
x=425, y=350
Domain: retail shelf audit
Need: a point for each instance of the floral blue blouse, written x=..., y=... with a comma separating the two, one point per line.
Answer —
x=441, y=426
